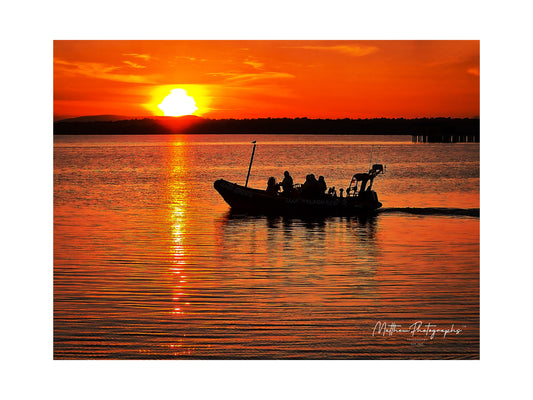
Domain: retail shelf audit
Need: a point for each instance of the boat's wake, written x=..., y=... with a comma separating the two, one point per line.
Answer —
x=470, y=212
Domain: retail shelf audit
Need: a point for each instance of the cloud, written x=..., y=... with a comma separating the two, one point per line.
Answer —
x=473, y=71
x=254, y=64
x=99, y=71
x=133, y=65
x=247, y=78
x=351, y=50
x=142, y=56
x=188, y=58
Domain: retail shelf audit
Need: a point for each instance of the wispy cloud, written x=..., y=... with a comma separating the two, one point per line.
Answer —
x=254, y=64
x=187, y=58
x=473, y=71
x=142, y=56
x=100, y=71
x=133, y=65
x=351, y=50
x=247, y=78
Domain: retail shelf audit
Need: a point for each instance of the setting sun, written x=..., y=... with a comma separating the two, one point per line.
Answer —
x=178, y=103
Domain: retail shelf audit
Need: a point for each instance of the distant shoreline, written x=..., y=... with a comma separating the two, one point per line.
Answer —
x=426, y=127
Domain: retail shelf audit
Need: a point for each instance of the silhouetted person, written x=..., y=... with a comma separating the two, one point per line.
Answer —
x=322, y=187
x=310, y=186
x=287, y=183
x=272, y=186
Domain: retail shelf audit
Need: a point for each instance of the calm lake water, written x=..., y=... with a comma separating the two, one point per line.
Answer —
x=150, y=264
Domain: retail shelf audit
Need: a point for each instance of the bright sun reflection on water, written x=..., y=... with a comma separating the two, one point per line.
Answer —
x=178, y=257
x=176, y=169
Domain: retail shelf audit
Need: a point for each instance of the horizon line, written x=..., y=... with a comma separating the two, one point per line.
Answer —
x=58, y=118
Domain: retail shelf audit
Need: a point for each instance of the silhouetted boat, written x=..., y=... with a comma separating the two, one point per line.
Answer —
x=357, y=201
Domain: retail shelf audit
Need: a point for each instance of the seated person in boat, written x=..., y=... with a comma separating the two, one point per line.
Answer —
x=287, y=183
x=272, y=186
x=310, y=187
x=322, y=187
x=332, y=192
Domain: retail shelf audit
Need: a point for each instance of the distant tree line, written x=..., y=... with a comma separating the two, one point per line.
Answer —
x=195, y=125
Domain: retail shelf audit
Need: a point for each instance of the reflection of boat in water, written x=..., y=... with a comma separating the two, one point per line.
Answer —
x=358, y=200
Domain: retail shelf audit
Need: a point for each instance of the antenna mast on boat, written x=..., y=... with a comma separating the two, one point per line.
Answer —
x=250, y=167
x=371, y=154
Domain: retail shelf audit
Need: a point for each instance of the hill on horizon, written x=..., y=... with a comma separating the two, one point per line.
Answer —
x=112, y=117
x=92, y=118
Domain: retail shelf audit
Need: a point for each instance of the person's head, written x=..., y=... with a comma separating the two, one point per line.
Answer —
x=286, y=173
x=321, y=178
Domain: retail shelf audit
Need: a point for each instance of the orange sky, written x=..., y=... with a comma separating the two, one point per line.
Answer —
x=249, y=79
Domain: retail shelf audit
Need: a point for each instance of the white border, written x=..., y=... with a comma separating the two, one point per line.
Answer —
x=27, y=198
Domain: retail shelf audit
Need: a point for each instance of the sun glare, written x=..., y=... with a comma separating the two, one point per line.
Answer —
x=178, y=103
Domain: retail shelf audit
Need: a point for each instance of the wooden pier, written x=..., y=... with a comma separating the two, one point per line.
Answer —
x=445, y=138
